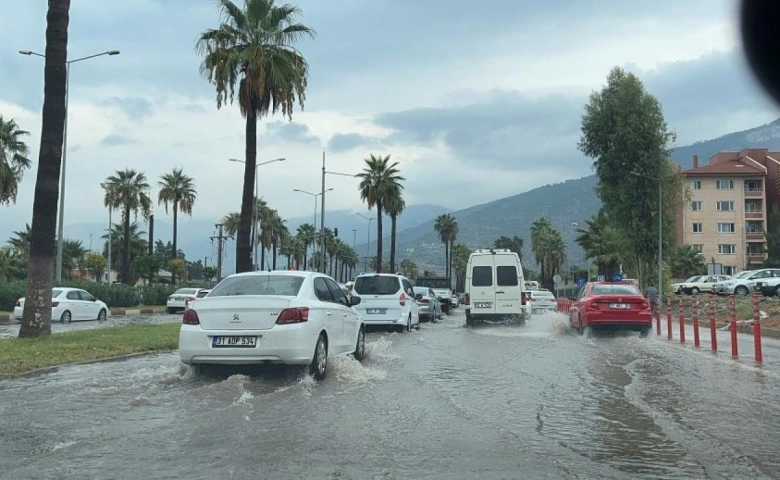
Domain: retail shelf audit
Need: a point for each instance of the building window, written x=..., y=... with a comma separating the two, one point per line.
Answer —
x=698, y=247
x=751, y=207
x=696, y=206
x=753, y=185
x=725, y=206
x=724, y=184
x=725, y=249
x=729, y=270
x=753, y=249
x=695, y=184
x=697, y=227
x=724, y=227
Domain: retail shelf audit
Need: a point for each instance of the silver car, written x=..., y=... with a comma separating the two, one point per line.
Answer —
x=542, y=301
x=428, y=303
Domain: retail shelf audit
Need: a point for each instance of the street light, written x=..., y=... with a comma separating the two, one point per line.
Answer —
x=315, y=195
x=254, y=243
x=60, y=221
x=322, y=210
x=660, y=233
x=110, y=209
x=368, y=233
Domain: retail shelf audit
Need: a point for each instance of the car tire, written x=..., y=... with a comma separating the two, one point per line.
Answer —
x=776, y=291
x=66, y=317
x=741, y=290
x=580, y=327
x=319, y=363
x=169, y=310
x=469, y=321
x=417, y=327
x=360, y=346
x=102, y=315
x=644, y=332
x=409, y=324
x=694, y=291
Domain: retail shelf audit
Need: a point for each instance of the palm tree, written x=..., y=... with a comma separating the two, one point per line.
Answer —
x=549, y=249
x=307, y=234
x=138, y=244
x=603, y=243
x=230, y=222
x=13, y=159
x=280, y=234
x=177, y=189
x=73, y=252
x=394, y=204
x=127, y=191
x=460, y=259
x=20, y=243
x=378, y=179
x=685, y=261
x=446, y=227
x=36, y=318
x=255, y=47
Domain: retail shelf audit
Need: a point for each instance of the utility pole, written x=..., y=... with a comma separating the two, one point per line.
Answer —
x=151, y=236
x=221, y=238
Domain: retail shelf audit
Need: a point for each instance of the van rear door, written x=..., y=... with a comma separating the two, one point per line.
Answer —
x=508, y=284
x=482, y=287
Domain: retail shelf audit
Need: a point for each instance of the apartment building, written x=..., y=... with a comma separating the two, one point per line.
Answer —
x=726, y=216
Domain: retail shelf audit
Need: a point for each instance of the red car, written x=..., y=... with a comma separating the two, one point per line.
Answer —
x=619, y=304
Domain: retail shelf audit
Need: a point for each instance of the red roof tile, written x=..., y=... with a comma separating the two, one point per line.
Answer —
x=725, y=168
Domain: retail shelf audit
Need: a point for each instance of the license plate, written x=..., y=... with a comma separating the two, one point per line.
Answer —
x=483, y=304
x=235, y=342
x=619, y=305
x=376, y=311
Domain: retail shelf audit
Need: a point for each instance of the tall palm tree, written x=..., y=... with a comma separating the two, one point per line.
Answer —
x=446, y=227
x=20, y=243
x=177, y=189
x=128, y=191
x=138, y=244
x=603, y=243
x=230, y=222
x=685, y=261
x=254, y=48
x=13, y=159
x=280, y=234
x=394, y=204
x=308, y=235
x=540, y=231
x=73, y=252
x=460, y=260
x=36, y=318
x=378, y=179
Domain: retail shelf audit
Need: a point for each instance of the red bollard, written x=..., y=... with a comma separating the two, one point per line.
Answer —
x=658, y=317
x=733, y=326
x=696, y=339
x=757, y=330
x=681, y=312
x=713, y=329
x=669, y=318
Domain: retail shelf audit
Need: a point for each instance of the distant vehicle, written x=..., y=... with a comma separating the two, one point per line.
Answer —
x=445, y=298
x=678, y=287
x=542, y=301
x=387, y=299
x=177, y=301
x=70, y=304
x=283, y=317
x=619, y=304
x=745, y=282
x=190, y=301
x=702, y=284
x=495, y=287
x=532, y=285
x=454, y=300
x=428, y=304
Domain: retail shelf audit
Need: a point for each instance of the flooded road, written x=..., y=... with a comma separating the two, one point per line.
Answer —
x=533, y=401
x=12, y=329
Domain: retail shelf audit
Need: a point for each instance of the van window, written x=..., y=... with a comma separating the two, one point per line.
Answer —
x=506, y=276
x=377, y=285
x=482, y=276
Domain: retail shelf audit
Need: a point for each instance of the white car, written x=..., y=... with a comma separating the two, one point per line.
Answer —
x=282, y=317
x=387, y=299
x=201, y=293
x=178, y=299
x=542, y=301
x=68, y=304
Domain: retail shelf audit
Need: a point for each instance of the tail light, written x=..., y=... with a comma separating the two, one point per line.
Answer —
x=423, y=300
x=55, y=304
x=18, y=303
x=402, y=299
x=190, y=318
x=467, y=299
x=645, y=305
x=293, y=315
x=191, y=298
x=590, y=304
x=523, y=298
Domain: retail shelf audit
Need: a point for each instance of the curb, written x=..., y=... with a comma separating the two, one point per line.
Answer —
x=45, y=370
x=5, y=318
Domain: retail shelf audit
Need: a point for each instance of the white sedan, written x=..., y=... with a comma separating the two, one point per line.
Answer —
x=282, y=317
x=178, y=299
x=69, y=304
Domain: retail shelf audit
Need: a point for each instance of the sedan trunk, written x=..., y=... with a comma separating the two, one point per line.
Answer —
x=241, y=312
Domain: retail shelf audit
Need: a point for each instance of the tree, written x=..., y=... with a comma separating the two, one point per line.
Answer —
x=395, y=206
x=96, y=264
x=128, y=191
x=73, y=252
x=514, y=244
x=549, y=249
x=604, y=243
x=230, y=222
x=460, y=260
x=20, y=243
x=36, y=318
x=624, y=132
x=255, y=46
x=686, y=261
x=410, y=269
x=378, y=180
x=446, y=227
x=177, y=267
x=147, y=267
x=209, y=273
x=13, y=159
x=138, y=244
x=177, y=189
x=307, y=234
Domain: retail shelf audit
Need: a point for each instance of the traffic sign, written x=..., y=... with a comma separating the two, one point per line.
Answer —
x=557, y=279
x=617, y=277
x=600, y=278
x=580, y=281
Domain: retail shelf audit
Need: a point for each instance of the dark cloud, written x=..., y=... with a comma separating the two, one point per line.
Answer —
x=134, y=107
x=342, y=142
x=116, y=140
x=291, y=132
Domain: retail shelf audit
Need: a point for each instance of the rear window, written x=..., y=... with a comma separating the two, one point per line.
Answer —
x=55, y=293
x=506, y=276
x=203, y=293
x=377, y=285
x=421, y=290
x=542, y=295
x=615, y=289
x=286, y=285
x=482, y=276
x=185, y=291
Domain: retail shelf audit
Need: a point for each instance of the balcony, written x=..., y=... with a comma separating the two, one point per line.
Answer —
x=754, y=192
x=756, y=258
x=755, y=236
x=755, y=214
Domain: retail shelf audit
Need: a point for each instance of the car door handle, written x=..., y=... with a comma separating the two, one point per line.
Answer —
x=328, y=314
x=500, y=292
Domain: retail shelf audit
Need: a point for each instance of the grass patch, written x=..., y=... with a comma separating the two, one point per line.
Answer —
x=20, y=355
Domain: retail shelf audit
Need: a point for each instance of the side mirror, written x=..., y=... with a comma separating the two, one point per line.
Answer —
x=355, y=300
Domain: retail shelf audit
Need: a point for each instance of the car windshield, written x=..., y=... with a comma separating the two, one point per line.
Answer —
x=285, y=285
x=693, y=279
x=421, y=290
x=441, y=291
x=615, y=289
x=377, y=285
x=744, y=274
x=185, y=291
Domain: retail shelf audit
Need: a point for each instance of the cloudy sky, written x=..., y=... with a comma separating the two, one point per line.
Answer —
x=477, y=101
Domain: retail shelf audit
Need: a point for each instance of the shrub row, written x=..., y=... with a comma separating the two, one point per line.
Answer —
x=114, y=296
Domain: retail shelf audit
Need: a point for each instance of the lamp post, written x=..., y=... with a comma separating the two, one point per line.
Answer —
x=60, y=221
x=110, y=209
x=254, y=207
x=322, y=210
x=368, y=235
x=315, y=195
x=660, y=233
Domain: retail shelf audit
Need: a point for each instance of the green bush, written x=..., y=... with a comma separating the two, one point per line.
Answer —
x=156, y=294
x=11, y=292
x=114, y=296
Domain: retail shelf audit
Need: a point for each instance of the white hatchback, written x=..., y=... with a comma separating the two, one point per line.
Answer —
x=387, y=299
x=281, y=317
x=68, y=304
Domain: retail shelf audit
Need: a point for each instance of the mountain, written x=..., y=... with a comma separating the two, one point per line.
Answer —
x=572, y=201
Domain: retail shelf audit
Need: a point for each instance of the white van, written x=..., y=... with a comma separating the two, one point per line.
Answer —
x=495, y=287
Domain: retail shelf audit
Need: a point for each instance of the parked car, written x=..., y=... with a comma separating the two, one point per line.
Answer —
x=177, y=301
x=495, y=287
x=387, y=299
x=444, y=295
x=70, y=304
x=678, y=287
x=542, y=301
x=617, y=304
x=454, y=301
x=428, y=305
x=201, y=293
x=745, y=282
x=283, y=317
x=703, y=284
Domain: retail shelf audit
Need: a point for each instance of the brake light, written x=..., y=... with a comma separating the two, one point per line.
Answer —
x=646, y=305
x=423, y=300
x=293, y=315
x=402, y=299
x=190, y=318
x=591, y=305
x=55, y=304
x=467, y=299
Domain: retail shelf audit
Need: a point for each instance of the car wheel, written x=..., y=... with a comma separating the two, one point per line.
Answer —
x=169, y=310
x=694, y=291
x=469, y=321
x=409, y=324
x=417, y=327
x=102, y=315
x=741, y=290
x=65, y=318
x=644, y=332
x=360, y=347
x=776, y=291
x=319, y=364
